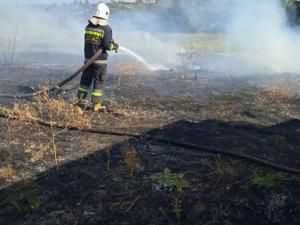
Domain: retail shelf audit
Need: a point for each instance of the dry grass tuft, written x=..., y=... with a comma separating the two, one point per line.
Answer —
x=277, y=98
x=132, y=161
x=36, y=149
x=8, y=140
x=277, y=93
x=6, y=171
x=54, y=111
x=224, y=110
x=221, y=171
x=128, y=69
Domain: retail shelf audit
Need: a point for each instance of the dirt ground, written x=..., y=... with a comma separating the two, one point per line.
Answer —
x=103, y=179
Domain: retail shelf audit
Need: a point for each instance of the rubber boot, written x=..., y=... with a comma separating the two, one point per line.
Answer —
x=98, y=107
x=81, y=100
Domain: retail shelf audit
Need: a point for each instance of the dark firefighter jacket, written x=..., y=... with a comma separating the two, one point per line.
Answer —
x=96, y=37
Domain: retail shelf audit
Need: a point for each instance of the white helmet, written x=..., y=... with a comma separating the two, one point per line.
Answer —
x=102, y=11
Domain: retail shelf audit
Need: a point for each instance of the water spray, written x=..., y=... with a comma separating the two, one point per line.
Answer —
x=139, y=58
x=75, y=74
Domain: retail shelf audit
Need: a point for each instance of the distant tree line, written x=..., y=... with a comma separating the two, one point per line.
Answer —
x=293, y=10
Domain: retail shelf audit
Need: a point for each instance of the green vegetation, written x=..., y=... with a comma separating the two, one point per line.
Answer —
x=288, y=3
x=170, y=180
x=177, y=208
x=265, y=180
x=27, y=202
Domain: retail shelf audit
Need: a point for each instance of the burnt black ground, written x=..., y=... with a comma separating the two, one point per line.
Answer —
x=84, y=192
x=231, y=113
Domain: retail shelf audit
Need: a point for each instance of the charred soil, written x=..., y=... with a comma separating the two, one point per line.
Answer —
x=103, y=179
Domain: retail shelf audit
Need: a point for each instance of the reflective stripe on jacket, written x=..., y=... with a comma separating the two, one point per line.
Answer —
x=96, y=37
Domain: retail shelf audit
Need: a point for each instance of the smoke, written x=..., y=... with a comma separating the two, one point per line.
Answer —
x=258, y=31
x=254, y=34
x=50, y=30
x=206, y=16
x=40, y=30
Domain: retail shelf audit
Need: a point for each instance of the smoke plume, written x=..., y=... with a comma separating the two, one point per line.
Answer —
x=255, y=34
x=259, y=32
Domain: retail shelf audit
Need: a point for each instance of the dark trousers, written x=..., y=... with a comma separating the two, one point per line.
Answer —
x=95, y=75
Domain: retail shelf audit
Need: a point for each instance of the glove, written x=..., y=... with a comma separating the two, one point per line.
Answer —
x=114, y=46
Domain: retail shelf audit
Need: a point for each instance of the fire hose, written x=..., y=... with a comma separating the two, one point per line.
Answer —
x=189, y=146
x=60, y=84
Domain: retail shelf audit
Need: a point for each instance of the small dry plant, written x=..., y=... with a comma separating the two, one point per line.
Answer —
x=132, y=161
x=8, y=48
x=6, y=171
x=222, y=171
x=8, y=131
x=128, y=69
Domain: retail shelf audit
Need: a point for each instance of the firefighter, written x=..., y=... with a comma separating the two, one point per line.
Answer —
x=98, y=35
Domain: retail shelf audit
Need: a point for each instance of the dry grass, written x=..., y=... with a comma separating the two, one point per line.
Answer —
x=276, y=98
x=90, y=144
x=53, y=112
x=6, y=171
x=36, y=150
x=224, y=110
x=9, y=130
x=277, y=93
x=8, y=48
x=128, y=69
x=132, y=161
